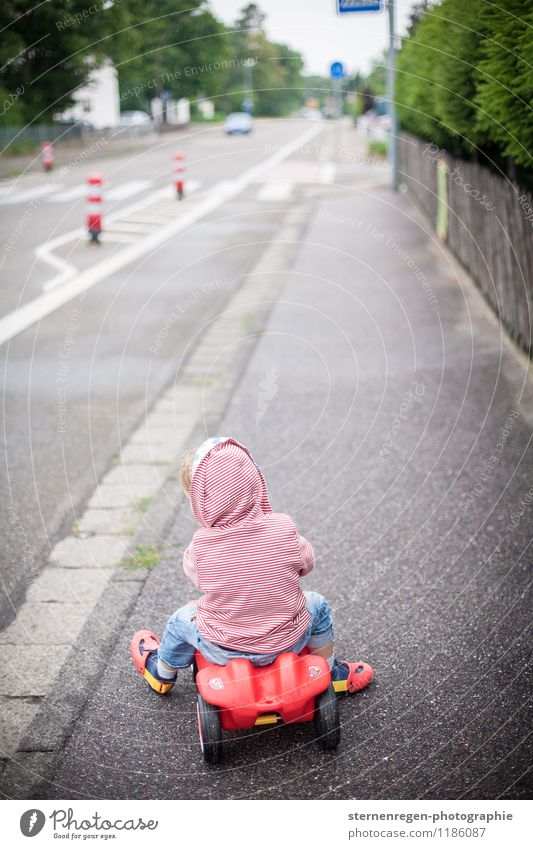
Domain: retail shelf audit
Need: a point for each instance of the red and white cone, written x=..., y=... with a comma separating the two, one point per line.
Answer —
x=47, y=155
x=179, y=176
x=94, y=206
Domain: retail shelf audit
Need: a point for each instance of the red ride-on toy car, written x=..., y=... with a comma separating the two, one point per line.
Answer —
x=294, y=688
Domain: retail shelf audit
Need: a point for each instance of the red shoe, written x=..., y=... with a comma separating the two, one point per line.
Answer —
x=143, y=648
x=351, y=677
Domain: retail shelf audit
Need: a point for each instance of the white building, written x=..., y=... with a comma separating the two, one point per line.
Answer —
x=97, y=102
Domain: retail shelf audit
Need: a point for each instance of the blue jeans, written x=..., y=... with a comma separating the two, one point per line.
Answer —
x=181, y=637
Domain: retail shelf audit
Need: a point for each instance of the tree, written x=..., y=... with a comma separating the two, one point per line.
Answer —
x=184, y=51
x=275, y=72
x=49, y=50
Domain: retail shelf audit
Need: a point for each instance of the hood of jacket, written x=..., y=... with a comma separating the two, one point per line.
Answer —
x=227, y=487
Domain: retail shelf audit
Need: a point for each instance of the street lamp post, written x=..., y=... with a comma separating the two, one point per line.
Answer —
x=247, y=66
x=391, y=76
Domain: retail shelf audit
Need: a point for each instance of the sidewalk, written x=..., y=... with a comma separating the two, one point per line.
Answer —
x=394, y=423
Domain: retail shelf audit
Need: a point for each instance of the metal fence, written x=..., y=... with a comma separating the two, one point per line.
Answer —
x=485, y=220
x=39, y=133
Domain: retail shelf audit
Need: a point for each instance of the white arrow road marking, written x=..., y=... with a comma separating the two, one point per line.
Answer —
x=15, y=322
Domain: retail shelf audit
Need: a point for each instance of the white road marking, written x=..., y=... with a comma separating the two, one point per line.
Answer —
x=275, y=191
x=28, y=314
x=28, y=194
x=68, y=194
x=114, y=236
x=126, y=190
x=327, y=172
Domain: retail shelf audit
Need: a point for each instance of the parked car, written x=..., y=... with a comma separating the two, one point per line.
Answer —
x=238, y=122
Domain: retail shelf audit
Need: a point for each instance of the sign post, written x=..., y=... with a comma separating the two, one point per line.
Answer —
x=337, y=73
x=347, y=6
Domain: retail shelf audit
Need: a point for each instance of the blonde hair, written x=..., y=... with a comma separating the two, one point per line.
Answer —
x=186, y=471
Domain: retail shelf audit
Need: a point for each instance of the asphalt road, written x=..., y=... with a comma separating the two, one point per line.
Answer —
x=397, y=432
x=76, y=384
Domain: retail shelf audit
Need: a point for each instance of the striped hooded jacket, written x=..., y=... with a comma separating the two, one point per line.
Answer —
x=246, y=559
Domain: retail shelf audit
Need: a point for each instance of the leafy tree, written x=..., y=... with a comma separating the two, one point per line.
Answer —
x=49, y=50
x=184, y=51
x=275, y=77
x=376, y=80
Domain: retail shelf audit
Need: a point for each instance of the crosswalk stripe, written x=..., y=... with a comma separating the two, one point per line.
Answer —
x=56, y=194
x=36, y=193
x=125, y=190
x=275, y=191
x=68, y=194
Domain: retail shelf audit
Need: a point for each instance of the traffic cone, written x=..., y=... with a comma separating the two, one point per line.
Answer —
x=179, y=175
x=94, y=207
x=47, y=154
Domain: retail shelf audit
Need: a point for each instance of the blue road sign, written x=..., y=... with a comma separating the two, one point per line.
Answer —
x=336, y=71
x=344, y=6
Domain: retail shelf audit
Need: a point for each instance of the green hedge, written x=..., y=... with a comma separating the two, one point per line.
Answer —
x=464, y=78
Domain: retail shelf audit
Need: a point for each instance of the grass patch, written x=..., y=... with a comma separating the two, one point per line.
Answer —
x=142, y=504
x=144, y=557
x=20, y=148
x=247, y=320
x=378, y=148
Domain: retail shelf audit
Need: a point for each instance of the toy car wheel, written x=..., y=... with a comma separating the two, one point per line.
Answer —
x=210, y=731
x=327, y=720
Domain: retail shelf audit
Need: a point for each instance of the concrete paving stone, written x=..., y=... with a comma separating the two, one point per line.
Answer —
x=97, y=551
x=31, y=670
x=15, y=716
x=152, y=452
x=166, y=415
x=151, y=433
x=50, y=624
x=121, y=495
x=187, y=398
x=120, y=520
x=68, y=585
x=201, y=373
x=131, y=474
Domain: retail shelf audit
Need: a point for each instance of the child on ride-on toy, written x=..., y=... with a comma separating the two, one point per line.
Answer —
x=248, y=562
